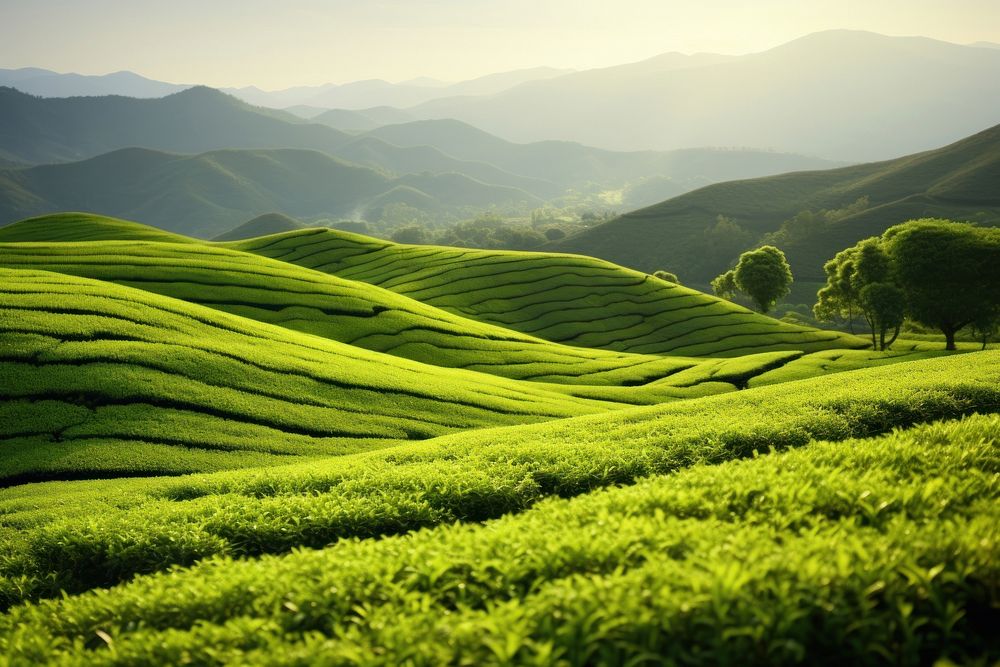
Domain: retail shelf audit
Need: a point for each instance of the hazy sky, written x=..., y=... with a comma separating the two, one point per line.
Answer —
x=280, y=43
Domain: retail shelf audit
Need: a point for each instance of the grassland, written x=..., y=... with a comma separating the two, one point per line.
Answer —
x=567, y=299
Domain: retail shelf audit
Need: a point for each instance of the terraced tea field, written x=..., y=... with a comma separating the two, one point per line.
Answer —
x=563, y=298
x=320, y=448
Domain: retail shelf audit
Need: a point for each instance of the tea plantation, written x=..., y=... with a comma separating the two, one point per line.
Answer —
x=319, y=448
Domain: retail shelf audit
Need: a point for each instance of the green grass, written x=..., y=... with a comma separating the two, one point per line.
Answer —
x=568, y=299
x=878, y=551
x=72, y=535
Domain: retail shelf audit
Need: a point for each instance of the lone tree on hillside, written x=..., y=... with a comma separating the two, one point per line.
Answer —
x=667, y=276
x=949, y=272
x=762, y=274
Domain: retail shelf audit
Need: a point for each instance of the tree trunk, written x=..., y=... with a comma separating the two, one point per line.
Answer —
x=949, y=338
x=895, y=335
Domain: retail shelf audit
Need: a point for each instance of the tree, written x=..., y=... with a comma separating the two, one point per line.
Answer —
x=986, y=324
x=763, y=275
x=884, y=306
x=724, y=286
x=949, y=272
x=667, y=276
x=838, y=299
x=410, y=234
x=861, y=279
x=554, y=234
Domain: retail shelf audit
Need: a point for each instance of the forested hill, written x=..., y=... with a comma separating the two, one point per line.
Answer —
x=685, y=235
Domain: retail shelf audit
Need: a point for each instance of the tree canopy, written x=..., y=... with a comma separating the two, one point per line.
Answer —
x=764, y=276
x=939, y=273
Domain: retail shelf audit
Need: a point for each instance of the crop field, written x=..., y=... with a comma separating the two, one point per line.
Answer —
x=316, y=447
x=348, y=311
x=568, y=299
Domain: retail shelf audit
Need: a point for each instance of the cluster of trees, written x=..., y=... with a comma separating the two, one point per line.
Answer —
x=762, y=274
x=939, y=273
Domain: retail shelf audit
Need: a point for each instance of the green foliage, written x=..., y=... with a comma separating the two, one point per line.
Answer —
x=949, y=271
x=763, y=275
x=941, y=273
x=409, y=234
x=724, y=286
x=869, y=552
x=468, y=476
x=667, y=276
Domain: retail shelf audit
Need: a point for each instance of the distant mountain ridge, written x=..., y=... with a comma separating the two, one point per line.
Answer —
x=845, y=95
x=39, y=130
x=46, y=83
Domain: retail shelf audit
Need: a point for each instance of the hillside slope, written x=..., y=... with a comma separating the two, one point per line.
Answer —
x=96, y=376
x=568, y=299
x=958, y=181
x=351, y=312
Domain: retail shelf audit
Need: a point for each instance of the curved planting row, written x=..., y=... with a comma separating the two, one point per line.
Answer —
x=866, y=552
x=568, y=299
x=97, y=378
x=348, y=311
x=71, y=536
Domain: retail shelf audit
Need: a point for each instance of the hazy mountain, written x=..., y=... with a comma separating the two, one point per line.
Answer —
x=376, y=92
x=207, y=194
x=959, y=181
x=38, y=130
x=360, y=120
x=840, y=94
x=373, y=152
x=46, y=83
x=262, y=225
x=41, y=130
x=570, y=164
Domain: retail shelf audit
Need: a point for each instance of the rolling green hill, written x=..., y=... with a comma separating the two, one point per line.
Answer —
x=208, y=194
x=469, y=476
x=568, y=299
x=203, y=463
x=101, y=379
x=84, y=227
x=958, y=181
x=351, y=312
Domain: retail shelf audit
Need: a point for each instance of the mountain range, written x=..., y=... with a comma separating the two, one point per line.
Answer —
x=844, y=95
x=207, y=194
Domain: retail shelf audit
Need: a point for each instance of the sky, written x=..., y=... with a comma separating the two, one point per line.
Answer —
x=276, y=44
